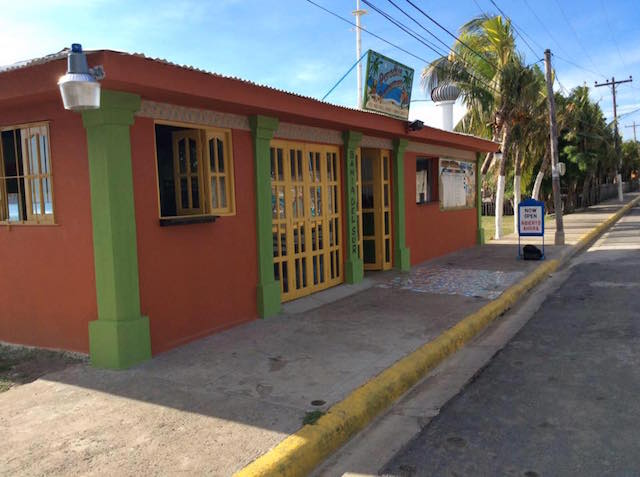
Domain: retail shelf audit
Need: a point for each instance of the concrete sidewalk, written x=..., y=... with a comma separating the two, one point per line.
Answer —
x=215, y=405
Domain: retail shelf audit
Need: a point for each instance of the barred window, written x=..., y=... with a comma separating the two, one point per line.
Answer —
x=26, y=189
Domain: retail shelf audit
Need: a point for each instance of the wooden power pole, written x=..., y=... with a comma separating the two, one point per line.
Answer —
x=555, y=172
x=634, y=125
x=613, y=84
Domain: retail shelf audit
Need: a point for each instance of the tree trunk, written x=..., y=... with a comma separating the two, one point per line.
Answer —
x=516, y=186
x=488, y=160
x=571, y=196
x=506, y=141
x=543, y=170
x=586, y=190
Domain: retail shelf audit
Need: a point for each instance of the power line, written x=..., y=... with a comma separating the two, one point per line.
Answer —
x=543, y=24
x=629, y=113
x=516, y=28
x=552, y=37
x=405, y=28
x=388, y=42
x=566, y=19
x=367, y=31
x=420, y=25
x=578, y=66
x=422, y=40
x=613, y=37
x=480, y=8
x=482, y=57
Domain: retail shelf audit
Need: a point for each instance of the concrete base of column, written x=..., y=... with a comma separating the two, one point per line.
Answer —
x=119, y=344
x=402, y=259
x=269, y=300
x=354, y=271
x=480, y=237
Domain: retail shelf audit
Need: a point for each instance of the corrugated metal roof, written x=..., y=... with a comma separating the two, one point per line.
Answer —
x=35, y=61
x=242, y=80
x=63, y=53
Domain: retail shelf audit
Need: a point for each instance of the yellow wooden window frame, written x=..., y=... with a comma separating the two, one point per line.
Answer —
x=188, y=174
x=36, y=178
x=221, y=199
x=207, y=171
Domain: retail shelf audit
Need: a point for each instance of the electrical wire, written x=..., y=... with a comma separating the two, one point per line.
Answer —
x=628, y=114
x=613, y=37
x=578, y=66
x=369, y=32
x=516, y=28
x=406, y=29
x=543, y=25
x=482, y=57
x=419, y=24
x=420, y=38
x=566, y=19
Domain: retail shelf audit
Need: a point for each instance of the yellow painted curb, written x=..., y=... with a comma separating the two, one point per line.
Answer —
x=598, y=230
x=300, y=453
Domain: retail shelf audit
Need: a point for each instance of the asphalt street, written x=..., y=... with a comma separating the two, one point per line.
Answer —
x=561, y=398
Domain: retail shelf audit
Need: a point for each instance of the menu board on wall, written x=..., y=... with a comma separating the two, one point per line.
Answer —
x=457, y=184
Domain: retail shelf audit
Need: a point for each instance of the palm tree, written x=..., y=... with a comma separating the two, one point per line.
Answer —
x=499, y=91
x=530, y=120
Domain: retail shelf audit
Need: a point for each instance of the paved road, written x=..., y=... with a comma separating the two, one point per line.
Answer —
x=562, y=398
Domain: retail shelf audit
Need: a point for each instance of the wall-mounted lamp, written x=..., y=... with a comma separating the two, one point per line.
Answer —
x=497, y=155
x=416, y=125
x=80, y=88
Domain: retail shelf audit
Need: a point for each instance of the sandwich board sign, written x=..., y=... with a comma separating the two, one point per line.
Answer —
x=531, y=221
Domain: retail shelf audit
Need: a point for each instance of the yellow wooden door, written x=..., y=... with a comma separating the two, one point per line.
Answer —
x=376, y=209
x=385, y=212
x=307, y=223
x=187, y=163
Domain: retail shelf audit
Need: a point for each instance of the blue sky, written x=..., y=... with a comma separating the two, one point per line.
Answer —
x=293, y=45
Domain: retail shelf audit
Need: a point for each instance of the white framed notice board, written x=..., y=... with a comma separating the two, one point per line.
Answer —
x=457, y=181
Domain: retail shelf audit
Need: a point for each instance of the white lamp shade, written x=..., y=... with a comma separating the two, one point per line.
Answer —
x=79, y=91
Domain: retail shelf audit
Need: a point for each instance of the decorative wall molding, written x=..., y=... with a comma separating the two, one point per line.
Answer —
x=376, y=142
x=172, y=112
x=440, y=151
x=299, y=132
x=294, y=132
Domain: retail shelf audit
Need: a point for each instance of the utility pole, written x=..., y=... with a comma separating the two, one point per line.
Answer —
x=358, y=13
x=634, y=125
x=553, y=133
x=613, y=84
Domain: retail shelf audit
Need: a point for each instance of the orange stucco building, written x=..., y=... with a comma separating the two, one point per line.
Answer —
x=193, y=202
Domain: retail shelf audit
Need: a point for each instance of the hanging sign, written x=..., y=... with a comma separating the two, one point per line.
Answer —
x=531, y=218
x=387, y=86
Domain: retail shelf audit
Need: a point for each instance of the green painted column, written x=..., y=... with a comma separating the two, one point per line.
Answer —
x=354, y=266
x=119, y=338
x=480, y=233
x=401, y=256
x=269, y=299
